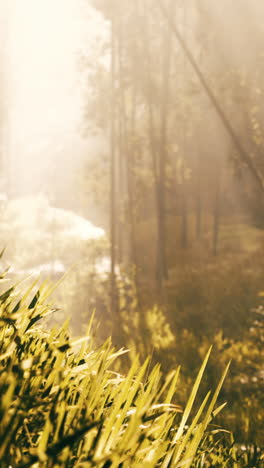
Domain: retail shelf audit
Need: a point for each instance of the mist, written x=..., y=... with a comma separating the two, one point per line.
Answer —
x=44, y=96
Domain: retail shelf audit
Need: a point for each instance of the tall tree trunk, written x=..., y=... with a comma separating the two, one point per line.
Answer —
x=131, y=181
x=162, y=231
x=120, y=176
x=152, y=141
x=128, y=124
x=113, y=171
x=121, y=146
x=184, y=207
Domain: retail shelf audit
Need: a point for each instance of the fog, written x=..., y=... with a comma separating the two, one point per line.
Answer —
x=44, y=95
x=46, y=90
x=43, y=138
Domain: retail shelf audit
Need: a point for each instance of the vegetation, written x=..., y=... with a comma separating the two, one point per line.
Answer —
x=219, y=303
x=63, y=404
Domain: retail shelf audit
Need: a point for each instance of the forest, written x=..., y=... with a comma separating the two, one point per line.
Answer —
x=131, y=234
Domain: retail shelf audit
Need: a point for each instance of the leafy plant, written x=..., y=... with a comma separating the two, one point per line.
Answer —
x=62, y=404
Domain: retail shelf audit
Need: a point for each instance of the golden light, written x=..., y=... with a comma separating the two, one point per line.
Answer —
x=44, y=95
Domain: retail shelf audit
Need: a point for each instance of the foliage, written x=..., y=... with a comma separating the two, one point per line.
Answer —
x=61, y=403
x=214, y=302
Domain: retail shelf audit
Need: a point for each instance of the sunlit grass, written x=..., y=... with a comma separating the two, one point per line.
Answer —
x=62, y=404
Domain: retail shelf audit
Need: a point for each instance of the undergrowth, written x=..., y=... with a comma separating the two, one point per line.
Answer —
x=63, y=405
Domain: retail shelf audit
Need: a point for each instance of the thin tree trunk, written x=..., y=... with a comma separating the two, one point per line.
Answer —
x=128, y=138
x=184, y=218
x=120, y=175
x=162, y=231
x=198, y=227
x=151, y=137
x=131, y=183
x=198, y=196
x=216, y=214
x=121, y=148
x=113, y=173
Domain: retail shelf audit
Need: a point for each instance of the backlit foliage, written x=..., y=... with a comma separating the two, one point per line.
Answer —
x=62, y=404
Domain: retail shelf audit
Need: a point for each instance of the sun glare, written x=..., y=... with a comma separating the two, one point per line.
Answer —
x=43, y=35
x=44, y=96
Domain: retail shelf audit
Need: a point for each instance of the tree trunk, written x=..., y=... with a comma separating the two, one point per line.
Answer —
x=113, y=172
x=216, y=214
x=151, y=137
x=121, y=148
x=184, y=219
x=162, y=231
x=198, y=196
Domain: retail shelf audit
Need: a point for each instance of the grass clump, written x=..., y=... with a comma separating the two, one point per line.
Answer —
x=63, y=405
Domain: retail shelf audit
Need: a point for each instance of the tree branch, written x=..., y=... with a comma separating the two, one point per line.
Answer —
x=244, y=156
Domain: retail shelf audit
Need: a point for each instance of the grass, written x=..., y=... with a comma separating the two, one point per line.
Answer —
x=63, y=405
